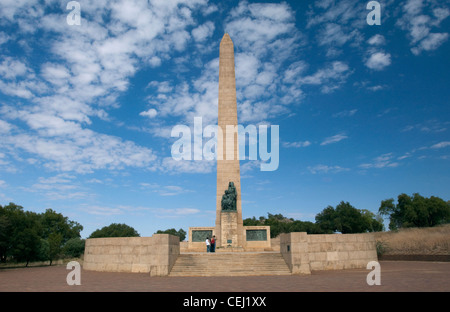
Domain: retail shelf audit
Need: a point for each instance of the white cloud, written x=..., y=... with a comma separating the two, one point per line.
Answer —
x=174, y=213
x=161, y=86
x=345, y=113
x=420, y=19
x=94, y=65
x=187, y=166
x=151, y=113
x=203, y=32
x=4, y=38
x=4, y=126
x=59, y=187
x=265, y=36
x=335, y=35
x=334, y=139
x=330, y=77
x=294, y=71
x=377, y=40
x=296, y=144
x=55, y=73
x=382, y=161
x=344, y=12
x=11, y=68
x=102, y=211
x=318, y=169
x=378, y=60
x=337, y=23
x=81, y=150
x=166, y=190
x=431, y=42
x=441, y=145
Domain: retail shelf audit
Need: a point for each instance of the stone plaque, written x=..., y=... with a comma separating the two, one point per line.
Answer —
x=201, y=235
x=256, y=235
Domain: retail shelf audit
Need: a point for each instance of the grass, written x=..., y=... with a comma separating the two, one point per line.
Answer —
x=13, y=264
x=415, y=241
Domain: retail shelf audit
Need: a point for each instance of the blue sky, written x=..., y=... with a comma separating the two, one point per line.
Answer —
x=86, y=111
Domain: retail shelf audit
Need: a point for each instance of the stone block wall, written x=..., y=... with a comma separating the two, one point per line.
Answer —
x=294, y=248
x=341, y=251
x=155, y=255
x=305, y=253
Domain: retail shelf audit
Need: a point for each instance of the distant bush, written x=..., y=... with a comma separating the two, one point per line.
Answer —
x=115, y=230
x=415, y=211
x=74, y=248
x=381, y=248
x=180, y=233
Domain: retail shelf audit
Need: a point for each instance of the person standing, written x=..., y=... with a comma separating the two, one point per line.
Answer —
x=213, y=244
x=208, y=245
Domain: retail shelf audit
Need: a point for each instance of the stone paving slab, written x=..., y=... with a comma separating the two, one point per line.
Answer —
x=396, y=276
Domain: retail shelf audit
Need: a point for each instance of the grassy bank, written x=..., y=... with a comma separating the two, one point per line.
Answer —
x=415, y=241
x=12, y=264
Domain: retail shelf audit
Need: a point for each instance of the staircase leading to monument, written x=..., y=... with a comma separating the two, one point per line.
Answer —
x=230, y=264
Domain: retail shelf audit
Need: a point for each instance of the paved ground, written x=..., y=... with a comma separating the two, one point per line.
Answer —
x=404, y=276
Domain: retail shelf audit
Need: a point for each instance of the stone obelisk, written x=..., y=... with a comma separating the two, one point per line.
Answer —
x=229, y=226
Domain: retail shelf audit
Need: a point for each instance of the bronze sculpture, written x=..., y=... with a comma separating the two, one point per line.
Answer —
x=229, y=198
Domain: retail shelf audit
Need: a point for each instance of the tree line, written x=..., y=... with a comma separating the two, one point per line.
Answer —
x=344, y=219
x=28, y=236
x=123, y=230
x=409, y=211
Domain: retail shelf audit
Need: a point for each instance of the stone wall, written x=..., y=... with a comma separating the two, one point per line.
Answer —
x=155, y=255
x=341, y=251
x=304, y=253
x=294, y=248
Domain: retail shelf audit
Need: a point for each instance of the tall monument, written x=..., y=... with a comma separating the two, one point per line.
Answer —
x=231, y=234
x=229, y=226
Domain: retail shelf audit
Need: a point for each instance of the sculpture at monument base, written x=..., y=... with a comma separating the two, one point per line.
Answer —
x=229, y=198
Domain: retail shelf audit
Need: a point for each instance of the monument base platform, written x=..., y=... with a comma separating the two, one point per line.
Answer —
x=230, y=249
x=253, y=238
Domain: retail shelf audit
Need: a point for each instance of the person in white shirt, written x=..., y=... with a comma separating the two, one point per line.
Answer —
x=208, y=245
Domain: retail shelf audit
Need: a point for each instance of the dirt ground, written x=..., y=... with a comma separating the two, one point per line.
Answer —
x=396, y=276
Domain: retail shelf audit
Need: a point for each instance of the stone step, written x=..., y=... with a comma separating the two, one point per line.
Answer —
x=229, y=264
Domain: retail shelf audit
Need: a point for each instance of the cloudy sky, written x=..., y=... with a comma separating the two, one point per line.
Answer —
x=86, y=111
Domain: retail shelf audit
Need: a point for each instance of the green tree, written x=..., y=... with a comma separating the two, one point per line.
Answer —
x=180, y=233
x=5, y=226
x=281, y=224
x=415, y=211
x=57, y=230
x=26, y=235
x=10, y=217
x=374, y=223
x=54, y=246
x=53, y=222
x=74, y=247
x=115, y=230
x=26, y=245
x=347, y=219
x=326, y=220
